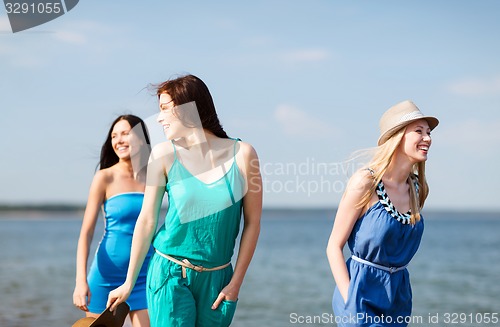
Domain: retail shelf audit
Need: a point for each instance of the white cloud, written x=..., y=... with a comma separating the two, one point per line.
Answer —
x=71, y=37
x=26, y=61
x=78, y=32
x=65, y=36
x=5, y=24
x=247, y=123
x=297, y=123
x=305, y=55
x=476, y=86
x=472, y=136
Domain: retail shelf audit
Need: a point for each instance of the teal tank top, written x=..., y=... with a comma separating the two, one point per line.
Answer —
x=203, y=219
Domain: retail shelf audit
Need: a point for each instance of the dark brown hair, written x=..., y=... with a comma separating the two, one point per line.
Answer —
x=190, y=88
x=108, y=156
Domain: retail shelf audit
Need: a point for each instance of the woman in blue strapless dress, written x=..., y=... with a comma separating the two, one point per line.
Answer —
x=117, y=188
x=379, y=217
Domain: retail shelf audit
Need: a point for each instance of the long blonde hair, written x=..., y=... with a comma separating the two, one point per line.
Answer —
x=379, y=163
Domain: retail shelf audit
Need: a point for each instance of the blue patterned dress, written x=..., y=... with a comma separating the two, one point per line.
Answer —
x=376, y=296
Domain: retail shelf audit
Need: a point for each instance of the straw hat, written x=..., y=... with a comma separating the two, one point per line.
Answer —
x=106, y=318
x=400, y=115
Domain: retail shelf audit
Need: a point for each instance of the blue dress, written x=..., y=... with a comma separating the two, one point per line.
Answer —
x=110, y=265
x=376, y=297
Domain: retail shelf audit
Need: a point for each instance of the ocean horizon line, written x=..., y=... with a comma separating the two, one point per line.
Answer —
x=75, y=208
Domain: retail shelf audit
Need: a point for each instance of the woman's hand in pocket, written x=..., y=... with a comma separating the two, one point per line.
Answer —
x=228, y=293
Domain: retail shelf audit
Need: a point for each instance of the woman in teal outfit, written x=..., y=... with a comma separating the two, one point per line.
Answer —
x=210, y=180
x=118, y=189
x=379, y=217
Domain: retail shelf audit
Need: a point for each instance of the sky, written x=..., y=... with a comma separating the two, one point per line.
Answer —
x=304, y=82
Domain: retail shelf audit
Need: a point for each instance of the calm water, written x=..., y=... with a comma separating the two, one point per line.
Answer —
x=289, y=281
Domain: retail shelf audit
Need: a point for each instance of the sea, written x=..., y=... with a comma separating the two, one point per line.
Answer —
x=455, y=275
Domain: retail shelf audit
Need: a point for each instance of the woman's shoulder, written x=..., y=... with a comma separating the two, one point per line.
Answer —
x=107, y=176
x=361, y=180
x=246, y=157
x=104, y=175
x=162, y=149
x=162, y=156
x=246, y=149
x=102, y=178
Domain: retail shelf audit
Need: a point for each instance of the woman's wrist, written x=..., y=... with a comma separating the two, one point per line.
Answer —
x=81, y=279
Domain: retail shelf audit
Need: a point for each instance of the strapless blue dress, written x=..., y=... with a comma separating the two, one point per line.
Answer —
x=110, y=264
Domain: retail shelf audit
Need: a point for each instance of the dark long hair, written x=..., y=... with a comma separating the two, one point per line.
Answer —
x=190, y=88
x=108, y=156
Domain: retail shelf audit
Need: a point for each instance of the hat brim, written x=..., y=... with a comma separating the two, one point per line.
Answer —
x=432, y=121
x=106, y=318
x=112, y=319
x=84, y=322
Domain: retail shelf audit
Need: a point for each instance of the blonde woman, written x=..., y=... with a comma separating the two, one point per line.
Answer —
x=379, y=217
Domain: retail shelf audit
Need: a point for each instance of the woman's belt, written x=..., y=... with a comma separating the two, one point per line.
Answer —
x=388, y=269
x=184, y=263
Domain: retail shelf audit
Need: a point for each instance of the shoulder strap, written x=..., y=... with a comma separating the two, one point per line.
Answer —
x=236, y=140
x=175, y=150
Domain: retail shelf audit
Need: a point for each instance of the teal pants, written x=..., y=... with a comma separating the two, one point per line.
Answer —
x=174, y=301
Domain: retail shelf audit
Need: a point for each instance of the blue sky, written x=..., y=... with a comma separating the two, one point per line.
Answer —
x=305, y=82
